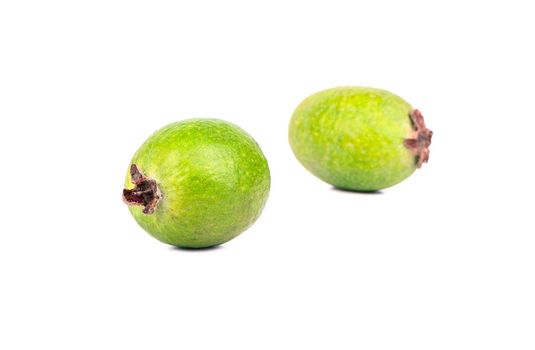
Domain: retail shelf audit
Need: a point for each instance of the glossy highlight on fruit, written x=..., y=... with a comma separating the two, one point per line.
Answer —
x=197, y=183
x=359, y=138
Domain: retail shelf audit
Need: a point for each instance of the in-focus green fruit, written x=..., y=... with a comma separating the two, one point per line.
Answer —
x=359, y=138
x=197, y=183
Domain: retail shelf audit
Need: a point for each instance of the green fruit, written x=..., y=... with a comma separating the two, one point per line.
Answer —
x=359, y=138
x=197, y=183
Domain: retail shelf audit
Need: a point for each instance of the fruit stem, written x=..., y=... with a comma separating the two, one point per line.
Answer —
x=145, y=192
x=420, y=140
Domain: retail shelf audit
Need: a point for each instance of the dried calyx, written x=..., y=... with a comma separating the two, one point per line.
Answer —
x=420, y=140
x=145, y=192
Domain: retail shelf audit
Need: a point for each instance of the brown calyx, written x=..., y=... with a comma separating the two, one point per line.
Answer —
x=420, y=140
x=145, y=192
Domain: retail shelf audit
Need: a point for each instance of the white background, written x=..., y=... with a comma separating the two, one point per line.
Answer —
x=445, y=260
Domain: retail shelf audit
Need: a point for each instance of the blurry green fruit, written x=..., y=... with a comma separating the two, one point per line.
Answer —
x=197, y=183
x=359, y=138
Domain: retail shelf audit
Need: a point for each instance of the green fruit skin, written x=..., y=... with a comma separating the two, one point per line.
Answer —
x=352, y=137
x=214, y=181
